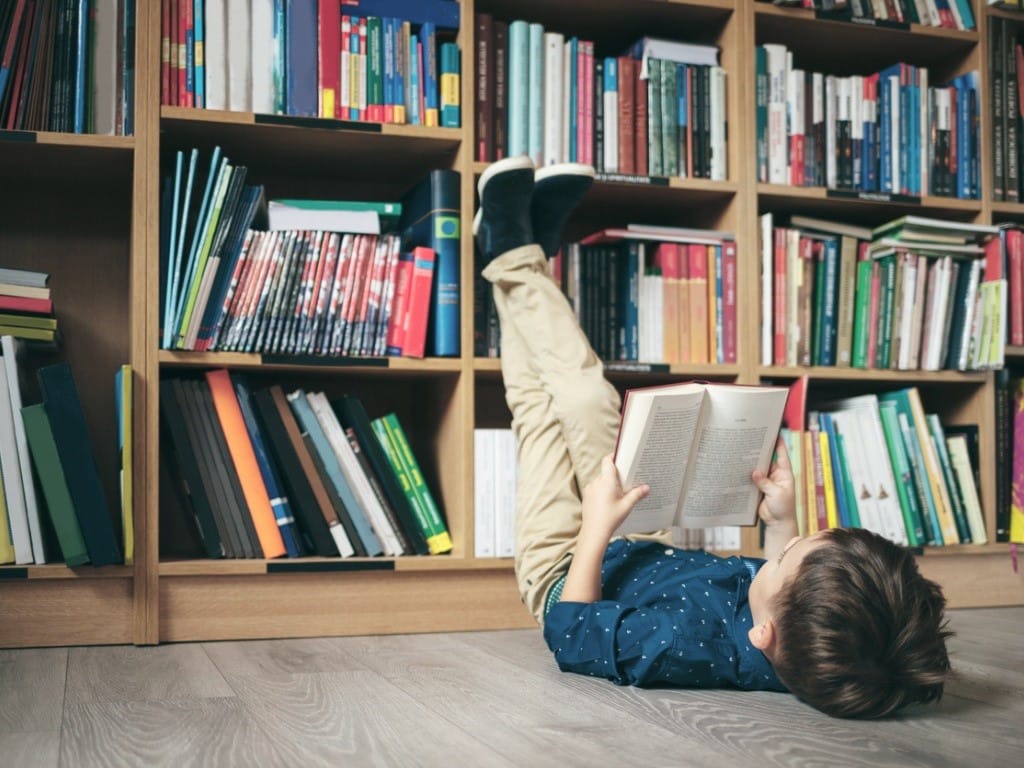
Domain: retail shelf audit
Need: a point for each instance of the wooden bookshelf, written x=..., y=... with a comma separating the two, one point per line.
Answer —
x=86, y=208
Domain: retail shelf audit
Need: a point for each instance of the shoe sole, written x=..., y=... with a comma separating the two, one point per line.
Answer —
x=564, y=169
x=521, y=162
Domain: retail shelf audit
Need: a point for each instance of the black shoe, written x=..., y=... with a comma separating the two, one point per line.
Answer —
x=502, y=222
x=557, y=190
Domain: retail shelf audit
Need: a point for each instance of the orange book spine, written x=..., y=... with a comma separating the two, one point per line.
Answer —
x=244, y=458
x=698, y=303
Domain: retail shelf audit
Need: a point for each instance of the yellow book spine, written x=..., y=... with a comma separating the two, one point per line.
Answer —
x=831, y=512
x=812, y=498
x=6, y=545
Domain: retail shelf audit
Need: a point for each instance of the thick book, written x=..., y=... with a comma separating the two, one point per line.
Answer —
x=696, y=445
x=444, y=14
x=430, y=218
x=357, y=216
x=64, y=409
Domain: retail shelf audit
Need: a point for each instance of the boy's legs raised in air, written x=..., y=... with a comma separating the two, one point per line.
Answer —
x=564, y=413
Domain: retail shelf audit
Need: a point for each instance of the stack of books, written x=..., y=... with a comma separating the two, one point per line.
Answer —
x=26, y=306
x=951, y=14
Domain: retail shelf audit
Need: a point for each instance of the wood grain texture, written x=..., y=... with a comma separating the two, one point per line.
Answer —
x=39, y=749
x=131, y=673
x=32, y=689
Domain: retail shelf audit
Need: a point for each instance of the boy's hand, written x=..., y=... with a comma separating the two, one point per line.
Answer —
x=605, y=504
x=779, y=503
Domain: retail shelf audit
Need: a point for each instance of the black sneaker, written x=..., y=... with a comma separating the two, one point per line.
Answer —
x=557, y=190
x=502, y=222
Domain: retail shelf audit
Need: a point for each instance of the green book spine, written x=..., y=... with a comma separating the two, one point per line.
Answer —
x=761, y=95
x=669, y=121
x=861, y=305
x=55, y=487
x=28, y=321
x=404, y=480
x=654, y=151
x=888, y=288
x=847, y=482
x=905, y=489
x=375, y=69
x=959, y=513
x=438, y=539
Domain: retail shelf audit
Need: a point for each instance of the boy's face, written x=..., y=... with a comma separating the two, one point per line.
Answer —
x=774, y=574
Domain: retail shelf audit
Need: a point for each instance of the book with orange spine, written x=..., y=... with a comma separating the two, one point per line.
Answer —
x=244, y=458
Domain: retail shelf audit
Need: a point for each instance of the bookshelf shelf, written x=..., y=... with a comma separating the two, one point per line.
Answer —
x=340, y=566
x=1004, y=13
x=966, y=549
x=369, y=365
x=846, y=205
x=44, y=155
x=824, y=373
x=1002, y=208
x=800, y=21
x=629, y=370
x=61, y=571
x=1014, y=352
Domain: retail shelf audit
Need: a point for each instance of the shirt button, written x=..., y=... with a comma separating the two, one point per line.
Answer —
x=669, y=551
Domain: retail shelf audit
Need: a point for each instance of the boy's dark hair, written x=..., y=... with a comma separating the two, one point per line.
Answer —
x=861, y=631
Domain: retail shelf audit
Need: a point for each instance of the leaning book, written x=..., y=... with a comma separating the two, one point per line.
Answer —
x=696, y=445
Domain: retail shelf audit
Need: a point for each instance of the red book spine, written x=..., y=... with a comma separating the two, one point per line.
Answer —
x=396, y=324
x=581, y=98
x=329, y=57
x=588, y=102
x=484, y=86
x=23, y=304
x=183, y=6
x=418, y=308
x=779, y=299
x=17, y=77
x=729, y=321
x=1015, y=244
x=627, y=107
x=7, y=52
x=501, y=89
x=640, y=122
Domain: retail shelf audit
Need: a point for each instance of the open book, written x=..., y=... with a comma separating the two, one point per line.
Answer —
x=696, y=445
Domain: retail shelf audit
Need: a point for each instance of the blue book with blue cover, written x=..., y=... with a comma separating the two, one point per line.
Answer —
x=431, y=218
x=275, y=488
x=518, y=88
x=301, y=64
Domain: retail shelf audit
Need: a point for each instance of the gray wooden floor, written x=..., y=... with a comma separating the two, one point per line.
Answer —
x=477, y=699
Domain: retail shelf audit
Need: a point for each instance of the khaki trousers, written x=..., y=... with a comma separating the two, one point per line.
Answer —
x=565, y=415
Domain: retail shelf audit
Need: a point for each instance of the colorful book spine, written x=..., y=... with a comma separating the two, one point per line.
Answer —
x=450, y=89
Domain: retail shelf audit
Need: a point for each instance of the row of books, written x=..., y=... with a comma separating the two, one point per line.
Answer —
x=656, y=109
x=881, y=462
x=310, y=59
x=26, y=305
x=281, y=291
x=912, y=294
x=49, y=441
x=68, y=65
x=951, y=14
x=643, y=293
x=889, y=132
x=1006, y=65
x=495, y=474
x=269, y=474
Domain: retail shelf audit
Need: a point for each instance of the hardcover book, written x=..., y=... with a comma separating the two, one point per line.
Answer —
x=696, y=446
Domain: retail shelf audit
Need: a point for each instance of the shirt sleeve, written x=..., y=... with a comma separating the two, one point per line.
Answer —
x=634, y=646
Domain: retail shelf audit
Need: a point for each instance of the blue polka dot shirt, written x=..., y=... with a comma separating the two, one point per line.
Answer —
x=667, y=617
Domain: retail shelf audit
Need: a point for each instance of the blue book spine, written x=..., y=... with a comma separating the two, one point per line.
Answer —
x=518, y=88
x=443, y=14
x=415, y=118
x=190, y=62
x=275, y=488
x=401, y=78
x=280, y=57
x=307, y=419
x=170, y=278
x=450, y=110
x=301, y=64
x=635, y=266
x=885, y=120
x=353, y=50
x=914, y=115
x=178, y=237
x=870, y=156
x=827, y=426
x=973, y=81
x=535, y=96
x=81, y=64
x=430, y=217
x=199, y=38
x=574, y=100
x=827, y=343
x=963, y=139
x=388, y=25
x=429, y=70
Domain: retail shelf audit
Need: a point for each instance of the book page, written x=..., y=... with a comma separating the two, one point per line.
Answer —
x=736, y=434
x=654, y=447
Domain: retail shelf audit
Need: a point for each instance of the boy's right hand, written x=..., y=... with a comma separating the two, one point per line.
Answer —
x=605, y=504
x=779, y=503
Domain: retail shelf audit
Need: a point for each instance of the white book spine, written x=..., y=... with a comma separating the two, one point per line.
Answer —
x=505, y=461
x=767, y=287
x=215, y=55
x=719, y=149
x=262, y=54
x=778, y=169
x=610, y=97
x=554, y=44
x=832, y=113
x=13, y=491
x=535, y=98
x=484, y=512
x=238, y=31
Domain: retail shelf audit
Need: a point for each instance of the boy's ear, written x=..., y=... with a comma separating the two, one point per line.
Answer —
x=762, y=636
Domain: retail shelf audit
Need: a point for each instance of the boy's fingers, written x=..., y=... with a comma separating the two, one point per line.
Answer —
x=632, y=498
x=761, y=481
x=782, y=455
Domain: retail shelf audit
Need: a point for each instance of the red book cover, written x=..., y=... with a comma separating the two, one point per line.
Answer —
x=1015, y=246
x=9, y=45
x=501, y=89
x=328, y=19
x=729, y=287
x=354, y=287
x=22, y=304
x=639, y=122
x=250, y=247
x=779, y=299
x=627, y=98
x=581, y=100
x=418, y=307
x=994, y=260
x=682, y=268
x=396, y=324
x=189, y=43
x=332, y=322
x=794, y=416
x=387, y=298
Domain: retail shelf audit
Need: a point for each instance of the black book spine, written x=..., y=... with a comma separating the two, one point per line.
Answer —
x=1004, y=453
x=336, y=502
x=64, y=409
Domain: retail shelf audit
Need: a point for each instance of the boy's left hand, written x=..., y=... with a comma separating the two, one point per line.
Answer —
x=605, y=504
x=779, y=502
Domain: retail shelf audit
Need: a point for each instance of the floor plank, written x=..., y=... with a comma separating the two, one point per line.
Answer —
x=130, y=673
x=272, y=657
x=40, y=749
x=32, y=689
